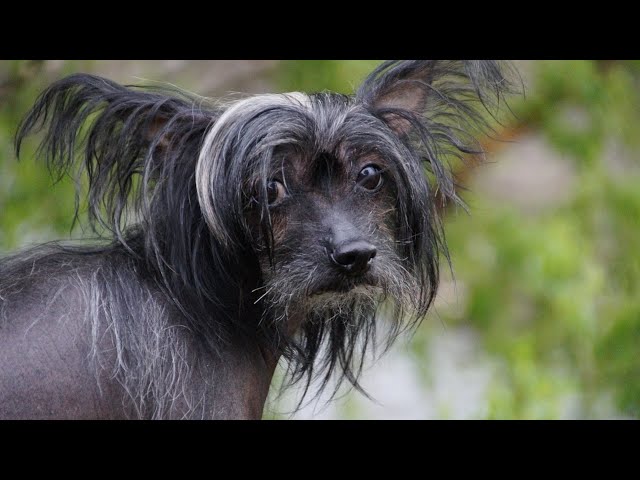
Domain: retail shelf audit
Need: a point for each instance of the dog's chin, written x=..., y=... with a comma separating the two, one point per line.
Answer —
x=323, y=297
x=342, y=300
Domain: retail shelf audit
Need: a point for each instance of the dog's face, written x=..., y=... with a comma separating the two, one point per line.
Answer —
x=334, y=223
x=333, y=240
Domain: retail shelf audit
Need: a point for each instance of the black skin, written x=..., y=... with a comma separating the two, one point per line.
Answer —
x=44, y=372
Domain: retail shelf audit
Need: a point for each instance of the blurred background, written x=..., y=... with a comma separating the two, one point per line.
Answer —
x=541, y=317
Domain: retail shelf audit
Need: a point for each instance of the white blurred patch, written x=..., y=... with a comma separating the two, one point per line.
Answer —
x=528, y=174
x=455, y=386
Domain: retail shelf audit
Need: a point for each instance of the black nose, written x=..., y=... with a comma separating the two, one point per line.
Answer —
x=354, y=257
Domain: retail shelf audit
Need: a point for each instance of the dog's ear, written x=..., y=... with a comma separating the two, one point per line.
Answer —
x=124, y=138
x=396, y=87
x=404, y=92
x=144, y=117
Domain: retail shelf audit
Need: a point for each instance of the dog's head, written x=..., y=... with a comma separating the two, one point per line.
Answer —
x=334, y=202
x=324, y=201
x=337, y=195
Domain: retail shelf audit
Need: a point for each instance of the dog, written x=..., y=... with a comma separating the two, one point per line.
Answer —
x=233, y=236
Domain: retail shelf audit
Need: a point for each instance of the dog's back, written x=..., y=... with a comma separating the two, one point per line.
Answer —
x=46, y=340
x=86, y=333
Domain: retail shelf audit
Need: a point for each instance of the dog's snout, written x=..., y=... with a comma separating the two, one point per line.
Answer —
x=353, y=257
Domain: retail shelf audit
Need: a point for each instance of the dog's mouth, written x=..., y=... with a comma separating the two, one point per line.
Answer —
x=342, y=284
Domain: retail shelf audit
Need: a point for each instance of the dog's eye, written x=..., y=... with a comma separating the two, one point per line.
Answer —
x=370, y=178
x=275, y=192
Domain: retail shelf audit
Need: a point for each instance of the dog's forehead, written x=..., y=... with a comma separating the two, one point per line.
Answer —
x=308, y=165
x=321, y=121
x=336, y=132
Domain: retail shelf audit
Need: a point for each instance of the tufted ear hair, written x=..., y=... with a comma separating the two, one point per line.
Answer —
x=123, y=138
x=403, y=91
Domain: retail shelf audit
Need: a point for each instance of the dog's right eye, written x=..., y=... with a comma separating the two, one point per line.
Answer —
x=275, y=192
x=370, y=178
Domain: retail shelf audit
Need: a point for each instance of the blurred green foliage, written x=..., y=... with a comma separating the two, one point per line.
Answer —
x=558, y=299
x=30, y=209
x=553, y=295
x=318, y=75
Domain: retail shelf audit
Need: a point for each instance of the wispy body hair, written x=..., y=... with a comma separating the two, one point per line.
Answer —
x=174, y=180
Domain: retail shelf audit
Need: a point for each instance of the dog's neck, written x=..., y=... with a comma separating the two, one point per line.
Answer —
x=247, y=363
x=242, y=382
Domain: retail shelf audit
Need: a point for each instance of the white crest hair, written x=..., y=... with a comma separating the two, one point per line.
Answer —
x=209, y=159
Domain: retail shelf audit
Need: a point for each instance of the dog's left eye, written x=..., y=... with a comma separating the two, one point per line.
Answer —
x=370, y=178
x=275, y=192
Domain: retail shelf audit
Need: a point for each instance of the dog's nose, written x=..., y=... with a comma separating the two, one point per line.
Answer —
x=354, y=257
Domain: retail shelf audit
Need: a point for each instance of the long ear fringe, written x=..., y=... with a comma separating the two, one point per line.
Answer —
x=442, y=107
x=115, y=135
